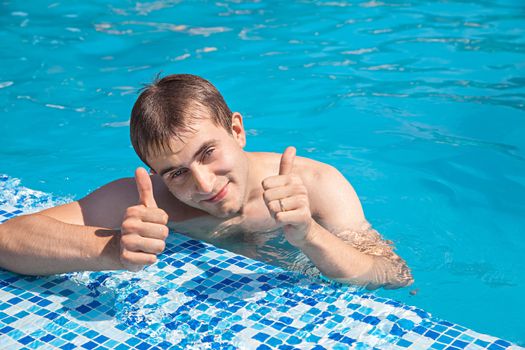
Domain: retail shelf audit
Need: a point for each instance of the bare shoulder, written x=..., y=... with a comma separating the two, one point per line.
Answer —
x=105, y=207
x=333, y=200
x=101, y=208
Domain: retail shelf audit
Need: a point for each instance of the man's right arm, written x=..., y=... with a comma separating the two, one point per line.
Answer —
x=38, y=244
x=106, y=230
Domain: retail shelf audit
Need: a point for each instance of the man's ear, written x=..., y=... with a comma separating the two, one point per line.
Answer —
x=238, y=129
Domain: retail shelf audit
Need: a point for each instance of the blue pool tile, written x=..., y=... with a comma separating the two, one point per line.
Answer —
x=142, y=335
x=445, y=339
x=94, y=304
x=404, y=343
x=14, y=301
x=133, y=341
x=502, y=343
x=347, y=340
x=277, y=325
x=286, y=320
x=261, y=336
x=57, y=342
x=313, y=338
x=69, y=336
x=237, y=328
x=274, y=342
x=37, y=344
x=290, y=330
x=432, y=334
x=66, y=292
x=143, y=346
x=460, y=344
x=287, y=347
x=293, y=340
x=208, y=338
x=26, y=340
x=16, y=334
x=337, y=318
x=6, y=330
x=51, y=315
x=467, y=338
x=164, y=345
x=439, y=328
x=47, y=338
x=371, y=320
x=453, y=333
x=83, y=309
x=89, y=345
x=44, y=303
x=35, y=299
x=397, y=331
x=264, y=347
x=335, y=336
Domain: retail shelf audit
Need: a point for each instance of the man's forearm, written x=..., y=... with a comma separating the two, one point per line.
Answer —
x=340, y=261
x=39, y=245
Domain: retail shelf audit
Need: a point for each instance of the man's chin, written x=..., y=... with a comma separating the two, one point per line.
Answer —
x=222, y=212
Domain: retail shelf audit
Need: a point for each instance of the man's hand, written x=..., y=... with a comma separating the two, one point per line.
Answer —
x=143, y=230
x=286, y=197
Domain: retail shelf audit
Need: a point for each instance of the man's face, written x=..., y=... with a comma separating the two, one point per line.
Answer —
x=207, y=169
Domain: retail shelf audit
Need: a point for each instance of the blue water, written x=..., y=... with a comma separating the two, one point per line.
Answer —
x=421, y=105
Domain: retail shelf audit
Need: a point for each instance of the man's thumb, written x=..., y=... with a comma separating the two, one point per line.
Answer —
x=287, y=160
x=145, y=188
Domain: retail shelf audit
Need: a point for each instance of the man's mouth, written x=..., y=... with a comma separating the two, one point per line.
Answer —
x=219, y=196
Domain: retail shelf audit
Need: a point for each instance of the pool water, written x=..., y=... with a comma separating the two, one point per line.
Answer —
x=419, y=104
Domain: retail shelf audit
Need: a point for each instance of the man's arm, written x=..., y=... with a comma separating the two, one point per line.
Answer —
x=38, y=244
x=343, y=242
x=106, y=230
x=322, y=216
x=71, y=237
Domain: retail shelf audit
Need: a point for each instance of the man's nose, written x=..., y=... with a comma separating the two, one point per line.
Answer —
x=204, y=179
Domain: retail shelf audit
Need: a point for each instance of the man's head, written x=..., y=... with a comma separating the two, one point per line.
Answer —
x=182, y=128
x=166, y=109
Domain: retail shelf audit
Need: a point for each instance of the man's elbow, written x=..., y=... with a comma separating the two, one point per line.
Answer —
x=388, y=274
x=398, y=274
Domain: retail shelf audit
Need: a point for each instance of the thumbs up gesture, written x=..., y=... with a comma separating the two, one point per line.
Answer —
x=286, y=197
x=143, y=229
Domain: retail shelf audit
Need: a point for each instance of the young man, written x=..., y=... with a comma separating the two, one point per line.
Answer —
x=272, y=207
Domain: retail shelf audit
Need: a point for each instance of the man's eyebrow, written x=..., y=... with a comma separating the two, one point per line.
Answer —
x=201, y=149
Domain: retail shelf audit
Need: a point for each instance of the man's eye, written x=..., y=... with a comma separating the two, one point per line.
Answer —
x=208, y=152
x=177, y=173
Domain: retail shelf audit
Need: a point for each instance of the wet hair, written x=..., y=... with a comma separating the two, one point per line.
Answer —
x=167, y=107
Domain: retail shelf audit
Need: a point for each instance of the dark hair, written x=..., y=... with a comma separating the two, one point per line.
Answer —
x=166, y=108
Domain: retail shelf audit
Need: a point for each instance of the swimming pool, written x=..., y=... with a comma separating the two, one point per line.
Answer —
x=419, y=104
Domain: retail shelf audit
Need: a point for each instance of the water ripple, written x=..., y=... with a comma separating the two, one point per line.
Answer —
x=6, y=84
x=429, y=133
x=127, y=28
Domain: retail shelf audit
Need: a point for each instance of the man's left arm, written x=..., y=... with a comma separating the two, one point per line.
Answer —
x=322, y=216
